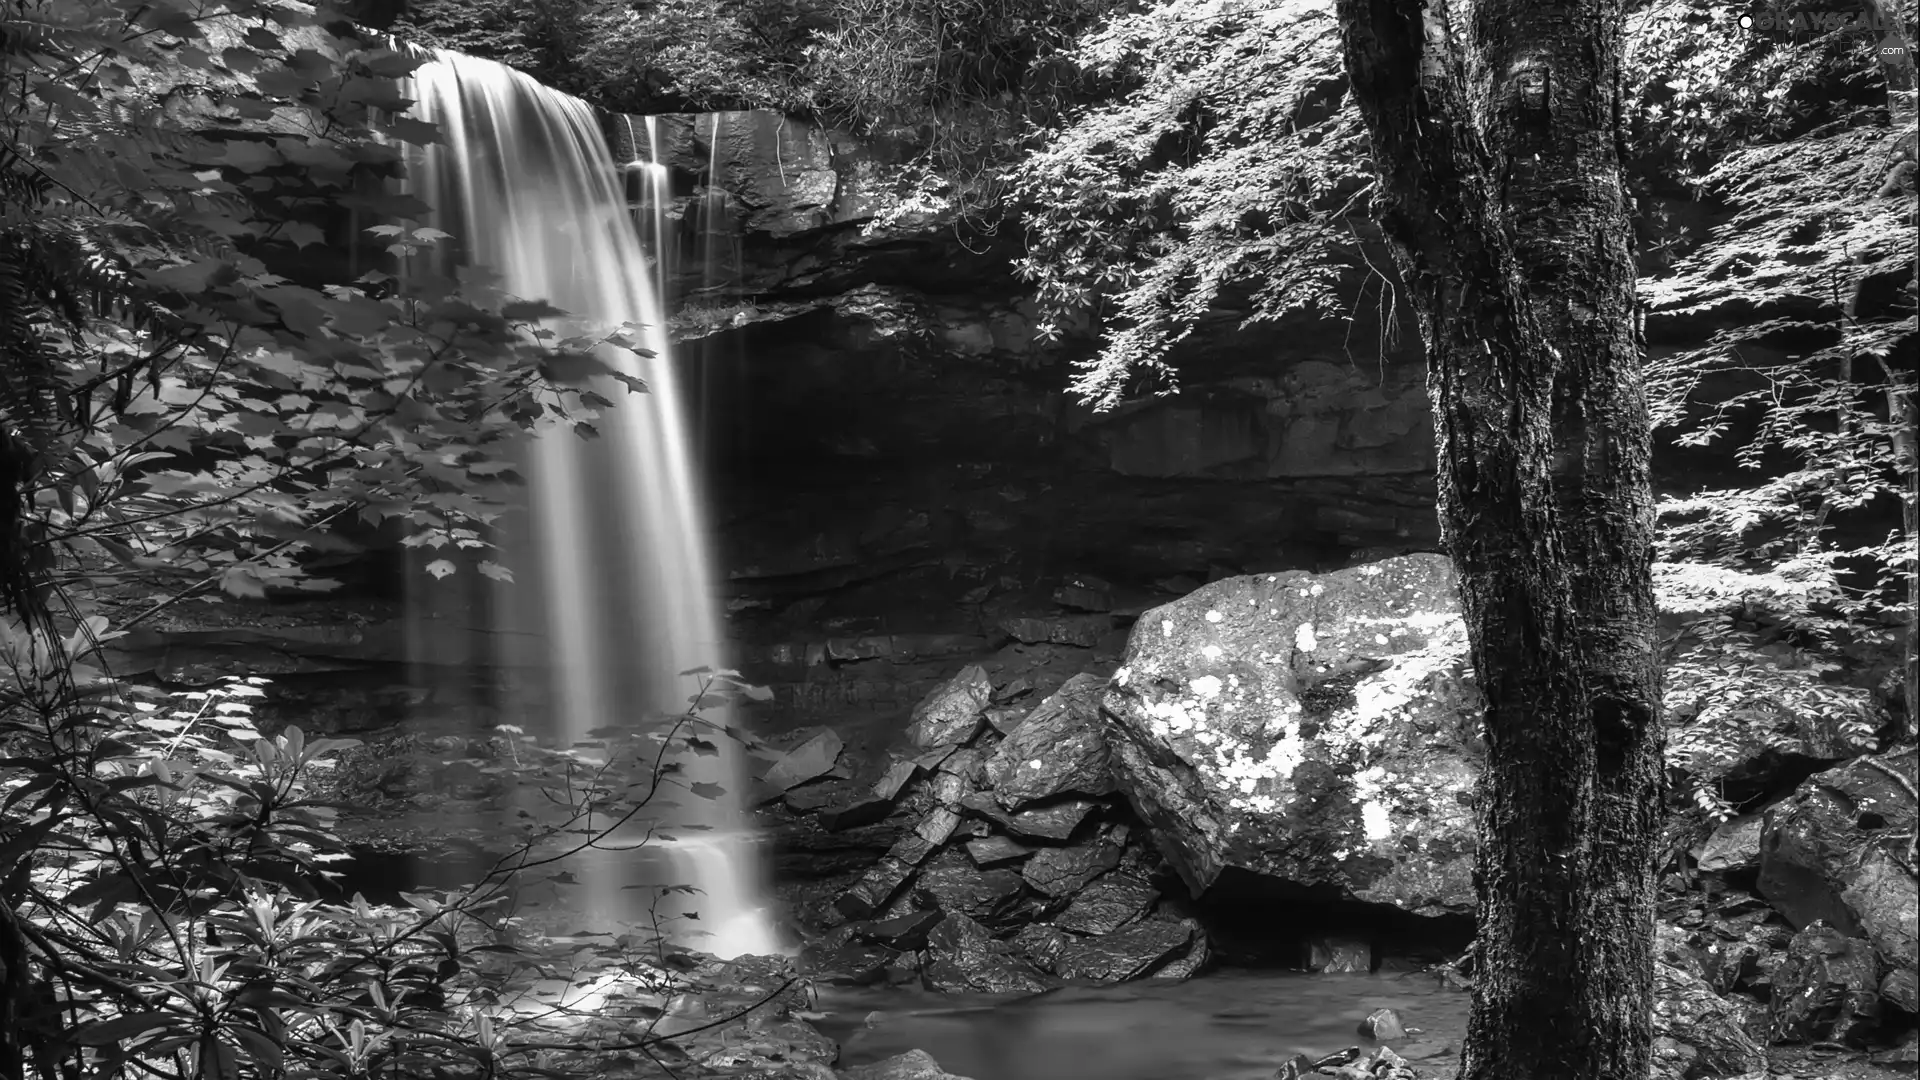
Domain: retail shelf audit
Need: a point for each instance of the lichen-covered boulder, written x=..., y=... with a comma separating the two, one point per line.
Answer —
x=1838, y=851
x=1058, y=748
x=1320, y=730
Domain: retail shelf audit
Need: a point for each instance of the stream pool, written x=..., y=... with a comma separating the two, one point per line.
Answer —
x=1225, y=1026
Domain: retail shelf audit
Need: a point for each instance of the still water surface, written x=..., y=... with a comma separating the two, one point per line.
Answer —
x=1228, y=1026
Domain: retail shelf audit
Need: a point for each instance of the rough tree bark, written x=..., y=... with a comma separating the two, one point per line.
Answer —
x=1897, y=63
x=1496, y=135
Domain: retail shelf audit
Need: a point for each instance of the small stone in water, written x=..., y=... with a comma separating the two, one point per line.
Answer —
x=912, y=1065
x=1382, y=1024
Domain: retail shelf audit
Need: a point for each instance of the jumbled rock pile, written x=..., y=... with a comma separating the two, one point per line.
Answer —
x=1023, y=868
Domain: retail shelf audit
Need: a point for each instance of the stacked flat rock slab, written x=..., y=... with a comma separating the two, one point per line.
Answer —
x=1015, y=855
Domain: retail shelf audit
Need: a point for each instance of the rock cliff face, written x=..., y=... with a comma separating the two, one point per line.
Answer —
x=867, y=392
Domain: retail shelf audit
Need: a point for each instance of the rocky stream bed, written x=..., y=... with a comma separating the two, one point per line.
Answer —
x=1206, y=837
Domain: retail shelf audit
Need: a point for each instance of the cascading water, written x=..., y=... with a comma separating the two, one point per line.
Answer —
x=652, y=197
x=613, y=584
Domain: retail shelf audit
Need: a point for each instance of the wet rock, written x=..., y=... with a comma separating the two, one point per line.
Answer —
x=952, y=883
x=1387, y=1065
x=1040, y=944
x=1107, y=905
x=871, y=647
x=950, y=714
x=857, y=814
x=966, y=958
x=1677, y=947
x=1126, y=954
x=896, y=778
x=964, y=765
x=1004, y=718
x=992, y=851
x=1883, y=891
x=912, y=1065
x=1729, y=966
x=938, y=825
x=1082, y=631
x=1700, y=1026
x=1053, y=822
x=949, y=789
x=1733, y=846
x=1902, y=987
x=1297, y=1067
x=1743, y=951
x=1315, y=729
x=875, y=888
x=1827, y=990
x=1085, y=592
x=1907, y=1054
x=1300, y=1066
x=911, y=850
x=804, y=850
x=1339, y=956
x=935, y=757
x=813, y=758
x=1016, y=688
x=818, y=795
x=1834, y=853
x=906, y=932
x=1059, y=748
x=854, y=963
x=757, y=1041
x=1063, y=871
x=1673, y=1059
x=1198, y=956
x=1382, y=1024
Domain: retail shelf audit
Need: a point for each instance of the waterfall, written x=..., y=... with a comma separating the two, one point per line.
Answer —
x=613, y=593
x=651, y=197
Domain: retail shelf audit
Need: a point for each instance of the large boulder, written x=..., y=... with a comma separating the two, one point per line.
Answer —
x=1320, y=730
x=1840, y=851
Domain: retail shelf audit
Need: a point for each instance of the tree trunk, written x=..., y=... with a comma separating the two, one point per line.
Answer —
x=1897, y=63
x=1497, y=142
